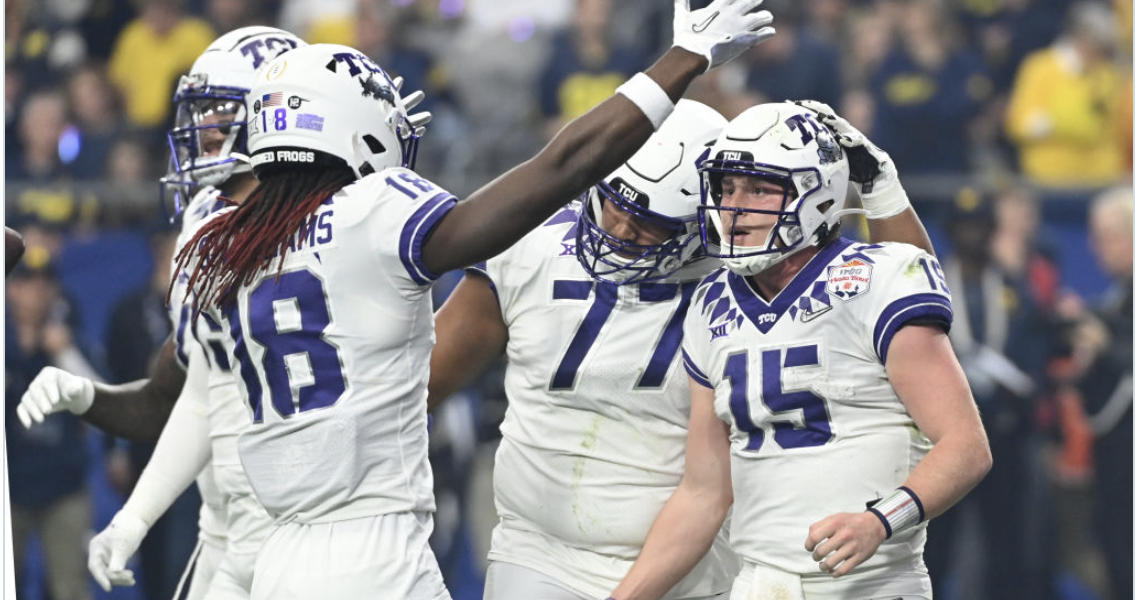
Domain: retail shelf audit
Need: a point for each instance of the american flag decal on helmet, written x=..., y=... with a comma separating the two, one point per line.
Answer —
x=273, y=99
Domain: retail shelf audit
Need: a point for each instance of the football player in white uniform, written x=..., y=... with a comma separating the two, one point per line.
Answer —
x=823, y=385
x=598, y=404
x=321, y=279
x=208, y=143
x=588, y=308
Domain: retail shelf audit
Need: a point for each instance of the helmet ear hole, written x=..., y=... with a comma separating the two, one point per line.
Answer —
x=373, y=144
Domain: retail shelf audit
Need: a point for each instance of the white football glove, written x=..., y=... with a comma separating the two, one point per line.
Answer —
x=55, y=390
x=870, y=167
x=722, y=30
x=112, y=547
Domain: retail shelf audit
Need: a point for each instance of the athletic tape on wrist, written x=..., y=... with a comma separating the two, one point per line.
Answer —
x=649, y=97
x=899, y=511
x=887, y=203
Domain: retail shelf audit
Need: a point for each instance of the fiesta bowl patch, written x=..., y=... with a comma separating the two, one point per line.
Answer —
x=849, y=280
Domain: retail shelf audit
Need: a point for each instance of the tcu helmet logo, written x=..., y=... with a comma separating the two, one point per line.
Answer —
x=266, y=48
x=377, y=84
x=828, y=151
x=355, y=63
x=629, y=193
x=735, y=155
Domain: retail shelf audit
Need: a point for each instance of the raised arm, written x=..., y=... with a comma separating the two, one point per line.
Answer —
x=928, y=379
x=685, y=528
x=875, y=181
x=590, y=147
x=903, y=227
x=136, y=411
x=471, y=335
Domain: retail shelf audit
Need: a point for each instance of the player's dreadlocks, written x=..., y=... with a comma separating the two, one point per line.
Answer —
x=233, y=248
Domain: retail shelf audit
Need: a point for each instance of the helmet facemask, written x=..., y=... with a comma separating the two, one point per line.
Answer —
x=779, y=144
x=614, y=260
x=658, y=187
x=720, y=224
x=208, y=141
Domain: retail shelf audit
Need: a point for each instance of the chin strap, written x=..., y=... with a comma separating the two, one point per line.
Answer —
x=849, y=211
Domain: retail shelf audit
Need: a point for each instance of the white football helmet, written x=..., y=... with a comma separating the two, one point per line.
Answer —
x=208, y=143
x=327, y=103
x=658, y=185
x=783, y=143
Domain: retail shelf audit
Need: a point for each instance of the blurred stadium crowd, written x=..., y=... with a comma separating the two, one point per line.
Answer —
x=1010, y=122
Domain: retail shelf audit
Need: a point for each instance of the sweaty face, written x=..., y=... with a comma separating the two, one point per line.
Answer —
x=750, y=229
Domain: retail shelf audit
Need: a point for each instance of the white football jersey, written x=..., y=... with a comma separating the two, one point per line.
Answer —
x=333, y=355
x=228, y=413
x=594, y=435
x=203, y=204
x=815, y=426
x=247, y=523
x=244, y=522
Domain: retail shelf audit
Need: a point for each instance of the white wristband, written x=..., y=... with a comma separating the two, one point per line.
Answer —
x=886, y=203
x=899, y=511
x=649, y=97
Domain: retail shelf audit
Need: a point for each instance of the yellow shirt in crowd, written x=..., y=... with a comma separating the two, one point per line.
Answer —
x=146, y=66
x=1065, y=119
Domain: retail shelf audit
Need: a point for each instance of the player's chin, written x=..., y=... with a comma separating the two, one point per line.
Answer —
x=750, y=239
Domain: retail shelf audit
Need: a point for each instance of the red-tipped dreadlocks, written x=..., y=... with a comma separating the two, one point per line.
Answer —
x=233, y=248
